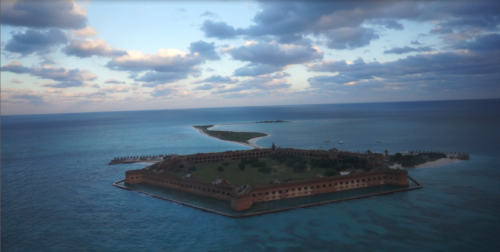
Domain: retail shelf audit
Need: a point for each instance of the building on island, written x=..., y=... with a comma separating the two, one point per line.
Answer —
x=242, y=197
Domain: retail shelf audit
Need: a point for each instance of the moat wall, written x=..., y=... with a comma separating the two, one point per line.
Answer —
x=244, y=201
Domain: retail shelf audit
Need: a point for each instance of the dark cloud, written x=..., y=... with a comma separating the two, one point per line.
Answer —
x=209, y=14
x=407, y=49
x=218, y=79
x=32, y=41
x=434, y=67
x=341, y=22
x=16, y=67
x=388, y=23
x=30, y=98
x=43, y=14
x=256, y=69
x=65, y=84
x=487, y=42
x=274, y=54
x=113, y=81
x=205, y=49
x=88, y=48
x=219, y=30
x=66, y=77
x=350, y=38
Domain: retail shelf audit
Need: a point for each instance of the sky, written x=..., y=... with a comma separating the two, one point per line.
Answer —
x=90, y=56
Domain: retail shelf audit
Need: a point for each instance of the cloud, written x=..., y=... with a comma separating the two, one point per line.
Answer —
x=32, y=41
x=85, y=32
x=486, y=42
x=115, y=89
x=22, y=96
x=341, y=22
x=205, y=49
x=388, y=23
x=205, y=87
x=209, y=69
x=88, y=48
x=166, y=91
x=66, y=77
x=156, y=78
x=113, y=81
x=15, y=67
x=407, y=49
x=255, y=84
x=218, y=79
x=14, y=80
x=220, y=30
x=273, y=53
x=256, y=69
x=209, y=14
x=164, y=60
x=43, y=14
x=415, y=42
x=460, y=67
x=182, y=9
x=350, y=38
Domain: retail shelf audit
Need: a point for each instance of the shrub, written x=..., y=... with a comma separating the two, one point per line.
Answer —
x=259, y=164
x=226, y=163
x=242, y=166
x=220, y=169
x=181, y=166
x=265, y=170
x=192, y=168
x=331, y=172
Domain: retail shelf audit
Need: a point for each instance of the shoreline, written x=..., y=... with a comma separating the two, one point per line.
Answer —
x=251, y=142
x=431, y=164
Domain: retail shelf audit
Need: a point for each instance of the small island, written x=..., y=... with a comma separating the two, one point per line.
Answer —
x=277, y=121
x=232, y=136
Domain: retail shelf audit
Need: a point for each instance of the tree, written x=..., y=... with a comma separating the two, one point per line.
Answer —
x=242, y=166
x=220, y=169
x=226, y=163
x=181, y=166
x=386, y=153
x=192, y=168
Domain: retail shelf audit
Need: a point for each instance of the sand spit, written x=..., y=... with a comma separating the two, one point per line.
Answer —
x=251, y=142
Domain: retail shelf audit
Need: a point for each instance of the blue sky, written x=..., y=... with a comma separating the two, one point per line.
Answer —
x=86, y=56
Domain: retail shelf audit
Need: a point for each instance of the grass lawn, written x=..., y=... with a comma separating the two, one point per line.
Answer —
x=250, y=175
x=242, y=137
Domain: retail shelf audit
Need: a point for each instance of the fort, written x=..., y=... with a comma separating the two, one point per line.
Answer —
x=204, y=174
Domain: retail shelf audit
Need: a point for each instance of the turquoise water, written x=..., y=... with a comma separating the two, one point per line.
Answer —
x=57, y=193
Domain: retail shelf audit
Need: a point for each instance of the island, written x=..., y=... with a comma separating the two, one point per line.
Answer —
x=245, y=178
x=245, y=138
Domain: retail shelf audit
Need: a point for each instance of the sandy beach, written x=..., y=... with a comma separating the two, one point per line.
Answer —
x=251, y=142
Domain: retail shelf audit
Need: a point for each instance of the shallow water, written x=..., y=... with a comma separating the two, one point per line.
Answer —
x=57, y=193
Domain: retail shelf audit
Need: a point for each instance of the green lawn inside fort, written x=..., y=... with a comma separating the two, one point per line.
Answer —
x=263, y=170
x=242, y=137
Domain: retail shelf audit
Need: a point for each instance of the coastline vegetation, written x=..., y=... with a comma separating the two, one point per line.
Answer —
x=410, y=161
x=242, y=137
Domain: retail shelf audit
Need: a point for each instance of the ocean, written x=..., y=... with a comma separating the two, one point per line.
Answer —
x=57, y=193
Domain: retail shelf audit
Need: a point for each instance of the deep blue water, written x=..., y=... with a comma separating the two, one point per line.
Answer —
x=57, y=194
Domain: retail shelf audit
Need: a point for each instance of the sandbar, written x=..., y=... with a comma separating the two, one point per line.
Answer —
x=251, y=142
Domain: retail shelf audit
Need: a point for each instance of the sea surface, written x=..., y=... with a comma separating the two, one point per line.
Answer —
x=56, y=192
